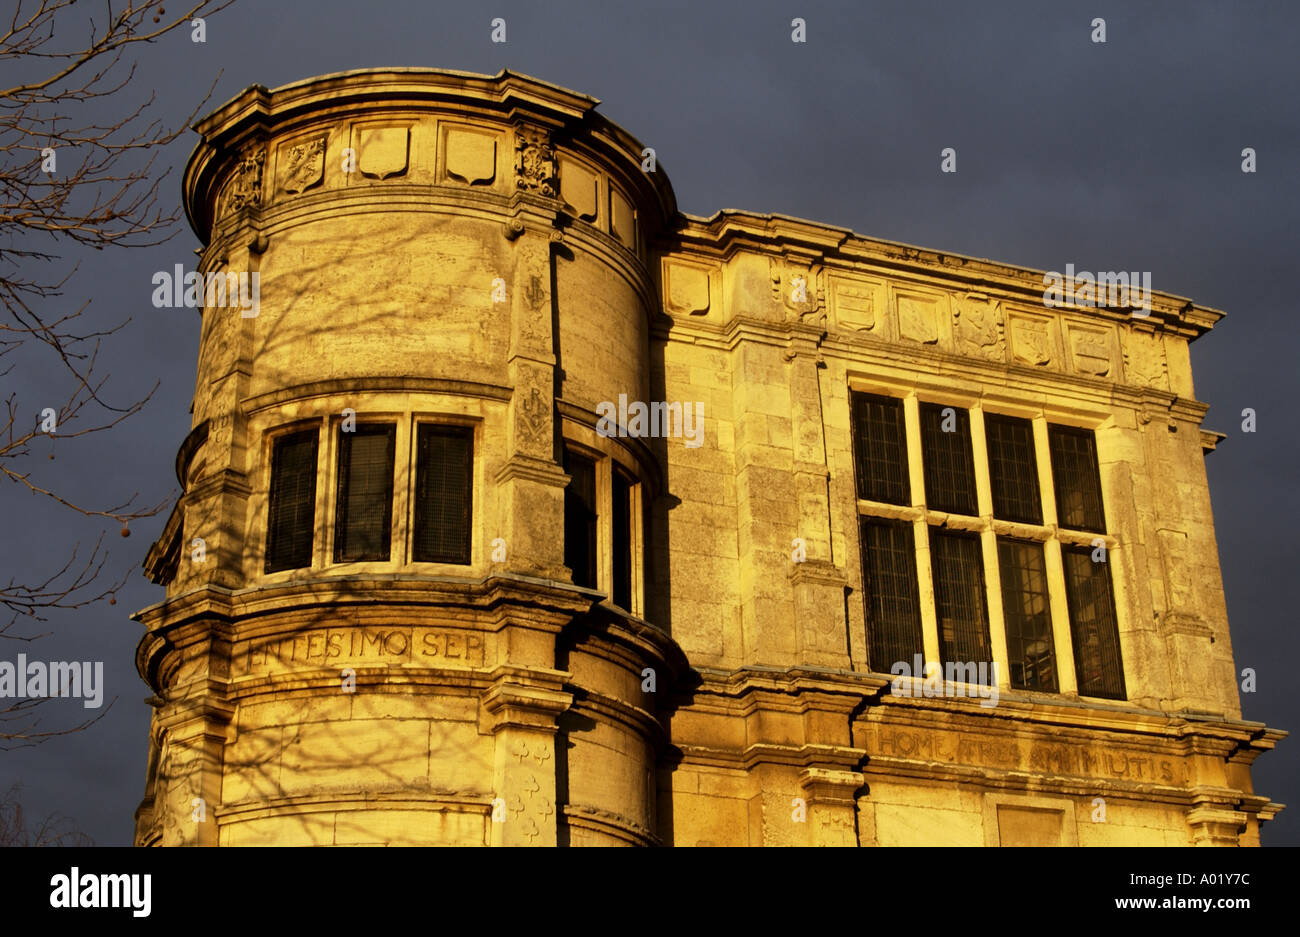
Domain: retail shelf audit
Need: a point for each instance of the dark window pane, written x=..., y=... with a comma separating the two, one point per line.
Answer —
x=1092, y=625
x=889, y=579
x=1013, y=470
x=363, y=520
x=580, y=519
x=1077, y=481
x=291, y=516
x=622, y=541
x=959, y=598
x=444, y=494
x=1028, y=616
x=880, y=449
x=946, y=459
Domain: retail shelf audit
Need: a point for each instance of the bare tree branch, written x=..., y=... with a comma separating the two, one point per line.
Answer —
x=79, y=151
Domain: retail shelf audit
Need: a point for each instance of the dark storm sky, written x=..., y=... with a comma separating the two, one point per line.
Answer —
x=1122, y=156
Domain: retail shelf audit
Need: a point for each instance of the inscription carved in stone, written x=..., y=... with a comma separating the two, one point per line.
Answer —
x=532, y=412
x=338, y=647
x=1087, y=760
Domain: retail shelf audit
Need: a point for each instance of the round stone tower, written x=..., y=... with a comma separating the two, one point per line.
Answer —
x=405, y=581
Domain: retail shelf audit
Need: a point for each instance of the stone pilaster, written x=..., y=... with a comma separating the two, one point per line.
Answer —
x=818, y=584
x=531, y=481
x=522, y=707
x=832, y=807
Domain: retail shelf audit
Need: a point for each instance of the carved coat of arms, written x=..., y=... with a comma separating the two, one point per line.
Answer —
x=1091, y=353
x=1030, y=341
x=976, y=325
x=246, y=186
x=304, y=166
x=535, y=165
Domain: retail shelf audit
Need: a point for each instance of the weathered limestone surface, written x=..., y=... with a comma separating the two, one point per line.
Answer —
x=488, y=251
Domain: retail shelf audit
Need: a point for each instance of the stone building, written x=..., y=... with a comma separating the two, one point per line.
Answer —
x=522, y=508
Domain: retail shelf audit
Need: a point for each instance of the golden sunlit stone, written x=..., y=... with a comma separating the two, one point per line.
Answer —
x=441, y=248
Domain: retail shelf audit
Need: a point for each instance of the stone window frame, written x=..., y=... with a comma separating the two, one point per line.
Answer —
x=262, y=520
x=977, y=402
x=400, y=558
x=367, y=427
x=606, y=453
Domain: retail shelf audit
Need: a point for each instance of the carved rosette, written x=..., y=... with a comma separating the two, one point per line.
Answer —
x=535, y=164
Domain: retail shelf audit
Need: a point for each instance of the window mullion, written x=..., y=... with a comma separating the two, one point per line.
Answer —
x=925, y=593
x=1061, y=634
x=980, y=453
x=326, y=480
x=920, y=530
x=1061, y=631
x=993, y=594
x=605, y=527
x=989, y=547
x=399, y=540
x=638, y=549
x=1046, y=485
